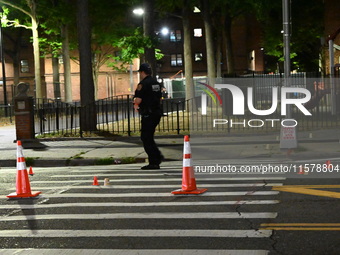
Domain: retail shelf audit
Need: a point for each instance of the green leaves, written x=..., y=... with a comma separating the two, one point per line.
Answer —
x=132, y=47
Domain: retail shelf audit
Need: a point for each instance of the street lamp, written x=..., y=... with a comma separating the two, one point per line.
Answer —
x=3, y=69
x=165, y=31
x=138, y=11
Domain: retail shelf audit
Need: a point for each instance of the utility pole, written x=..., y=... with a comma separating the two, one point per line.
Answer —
x=3, y=69
x=288, y=134
x=286, y=45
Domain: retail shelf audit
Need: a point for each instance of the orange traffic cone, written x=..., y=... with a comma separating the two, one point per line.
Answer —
x=95, y=181
x=188, y=176
x=30, y=172
x=328, y=164
x=23, y=187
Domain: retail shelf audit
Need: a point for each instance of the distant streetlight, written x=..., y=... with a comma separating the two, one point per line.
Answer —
x=165, y=31
x=138, y=11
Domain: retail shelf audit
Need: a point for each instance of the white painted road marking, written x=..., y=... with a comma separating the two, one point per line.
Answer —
x=138, y=233
x=129, y=252
x=141, y=204
x=164, y=194
x=165, y=215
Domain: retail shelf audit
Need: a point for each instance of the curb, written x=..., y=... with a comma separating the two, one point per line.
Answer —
x=66, y=162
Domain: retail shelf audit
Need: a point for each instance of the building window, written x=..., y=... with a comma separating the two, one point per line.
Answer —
x=198, y=57
x=24, y=66
x=198, y=32
x=175, y=35
x=176, y=60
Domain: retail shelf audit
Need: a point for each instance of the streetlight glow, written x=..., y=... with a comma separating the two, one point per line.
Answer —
x=165, y=31
x=138, y=11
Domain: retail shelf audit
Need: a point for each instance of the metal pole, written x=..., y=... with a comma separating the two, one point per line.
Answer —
x=331, y=75
x=286, y=141
x=3, y=69
x=286, y=45
x=131, y=79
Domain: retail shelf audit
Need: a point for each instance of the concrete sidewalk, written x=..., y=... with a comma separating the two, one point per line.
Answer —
x=90, y=151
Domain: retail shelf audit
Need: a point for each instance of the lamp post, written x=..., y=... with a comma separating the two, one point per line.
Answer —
x=3, y=69
x=288, y=138
x=286, y=44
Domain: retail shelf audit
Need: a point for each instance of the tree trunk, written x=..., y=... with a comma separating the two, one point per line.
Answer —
x=56, y=78
x=149, y=30
x=209, y=43
x=88, y=120
x=229, y=48
x=218, y=56
x=189, y=85
x=67, y=64
x=40, y=92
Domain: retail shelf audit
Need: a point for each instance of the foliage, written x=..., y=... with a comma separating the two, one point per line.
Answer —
x=132, y=47
x=307, y=28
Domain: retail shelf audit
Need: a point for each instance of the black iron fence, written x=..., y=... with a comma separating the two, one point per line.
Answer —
x=6, y=113
x=116, y=114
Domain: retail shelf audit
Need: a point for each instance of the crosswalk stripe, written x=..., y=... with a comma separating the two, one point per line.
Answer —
x=138, y=233
x=170, y=179
x=114, y=174
x=130, y=252
x=141, y=204
x=180, y=174
x=144, y=216
x=216, y=185
x=153, y=194
x=161, y=170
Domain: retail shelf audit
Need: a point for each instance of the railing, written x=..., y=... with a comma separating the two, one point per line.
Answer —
x=114, y=115
x=53, y=116
x=6, y=113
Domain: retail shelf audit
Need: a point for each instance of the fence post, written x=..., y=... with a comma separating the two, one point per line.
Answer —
x=128, y=115
x=80, y=117
x=177, y=110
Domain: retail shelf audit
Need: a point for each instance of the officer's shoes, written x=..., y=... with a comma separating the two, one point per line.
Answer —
x=150, y=167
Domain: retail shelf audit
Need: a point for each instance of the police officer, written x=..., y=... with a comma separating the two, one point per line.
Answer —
x=147, y=101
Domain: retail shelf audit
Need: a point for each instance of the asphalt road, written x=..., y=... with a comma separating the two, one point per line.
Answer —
x=137, y=214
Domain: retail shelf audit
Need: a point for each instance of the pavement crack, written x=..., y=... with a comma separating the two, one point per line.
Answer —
x=274, y=242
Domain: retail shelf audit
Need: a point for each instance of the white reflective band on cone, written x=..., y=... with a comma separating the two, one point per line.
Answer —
x=187, y=162
x=21, y=166
x=187, y=149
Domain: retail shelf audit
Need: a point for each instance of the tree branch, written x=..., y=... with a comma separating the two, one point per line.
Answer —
x=17, y=7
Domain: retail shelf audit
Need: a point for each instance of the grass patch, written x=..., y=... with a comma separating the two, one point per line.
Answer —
x=104, y=161
x=110, y=161
x=30, y=161
x=78, y=156
x=128, y=160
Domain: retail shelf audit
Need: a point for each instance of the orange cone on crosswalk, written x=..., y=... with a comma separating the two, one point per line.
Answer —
x=188, y=176
x=95, y=181
x=30, y=172
x=23, y=187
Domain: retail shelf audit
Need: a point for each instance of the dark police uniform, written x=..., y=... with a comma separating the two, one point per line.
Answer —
x=149, y=90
